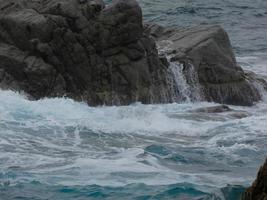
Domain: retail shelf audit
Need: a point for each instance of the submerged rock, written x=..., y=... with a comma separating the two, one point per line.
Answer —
x=224, y=109
x=208, y=49
x=214, y=109
x=258, y=190
x=101, y=54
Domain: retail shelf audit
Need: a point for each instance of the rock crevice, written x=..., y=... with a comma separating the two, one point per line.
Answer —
x=101, y=54
x=80, y=49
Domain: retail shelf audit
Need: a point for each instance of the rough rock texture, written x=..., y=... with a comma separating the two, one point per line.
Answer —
x=81, y=49
x=208, y=49
x=258, y=191
x=103, y=55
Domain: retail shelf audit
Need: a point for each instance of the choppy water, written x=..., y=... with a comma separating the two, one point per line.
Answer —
x=244, y=20
x=58, y=149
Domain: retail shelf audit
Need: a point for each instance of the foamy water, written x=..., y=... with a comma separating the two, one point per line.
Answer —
x=64, y=150
x=62, y=143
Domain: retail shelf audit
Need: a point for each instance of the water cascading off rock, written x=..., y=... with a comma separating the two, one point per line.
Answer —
x=103, y=55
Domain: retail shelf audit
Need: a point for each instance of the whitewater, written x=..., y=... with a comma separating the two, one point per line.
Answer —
x=66, y=144
x=59, y=149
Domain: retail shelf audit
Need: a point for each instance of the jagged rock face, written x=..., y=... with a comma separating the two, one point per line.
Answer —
x=81, y=49
x=258, y=191
x=101, y=54
x=209, y=50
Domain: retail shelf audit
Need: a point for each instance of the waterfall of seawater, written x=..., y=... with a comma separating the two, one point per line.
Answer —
x=182, y=80
x=185, y=86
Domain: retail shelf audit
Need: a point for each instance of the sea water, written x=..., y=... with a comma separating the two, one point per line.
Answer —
x=58, y=149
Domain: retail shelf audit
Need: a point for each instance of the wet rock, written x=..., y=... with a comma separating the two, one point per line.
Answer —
x=81, y=49
x=101, y=54
x=222, y=109
x=257, y=78
x=214, y=109
x=208, y=49
x=239, y=114
x=258, y=190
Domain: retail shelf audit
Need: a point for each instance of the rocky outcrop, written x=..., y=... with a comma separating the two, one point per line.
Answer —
x=208, y=50
x=80, y=49
x=258, y=190
x=102, y=54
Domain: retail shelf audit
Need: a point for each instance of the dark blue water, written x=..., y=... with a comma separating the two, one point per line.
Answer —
x=58, y=149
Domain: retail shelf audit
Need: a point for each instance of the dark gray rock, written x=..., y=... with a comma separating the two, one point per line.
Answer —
x=258, y=190
x=101, y=54
x=213, y=109
x=209, y=50
x=81, y=49
x=257, y=78
x=226, y=111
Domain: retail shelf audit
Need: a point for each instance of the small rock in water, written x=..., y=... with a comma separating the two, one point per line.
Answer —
x=214, y=109
x=231, y=113
x=239, y=114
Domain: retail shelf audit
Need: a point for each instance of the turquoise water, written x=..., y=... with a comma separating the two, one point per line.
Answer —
x=36, y=190
x=58, y=149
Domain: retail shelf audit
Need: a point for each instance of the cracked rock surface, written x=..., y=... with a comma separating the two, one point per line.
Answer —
x=102, y=54
x=81, y=49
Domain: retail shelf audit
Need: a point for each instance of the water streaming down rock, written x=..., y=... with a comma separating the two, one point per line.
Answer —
x=182, y=79
x=114, y=54
x=209, y=49
x=186, y=81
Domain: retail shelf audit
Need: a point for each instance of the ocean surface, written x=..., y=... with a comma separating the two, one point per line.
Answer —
x=58, y=149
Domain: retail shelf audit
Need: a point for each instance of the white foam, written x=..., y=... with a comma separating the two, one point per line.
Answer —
x=127, y=119
x=60, y=141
